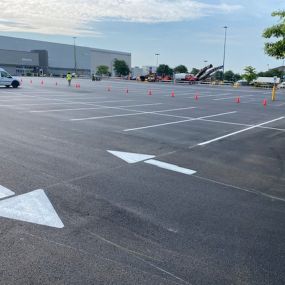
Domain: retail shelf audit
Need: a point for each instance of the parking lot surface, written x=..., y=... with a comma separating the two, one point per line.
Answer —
x=118, y=182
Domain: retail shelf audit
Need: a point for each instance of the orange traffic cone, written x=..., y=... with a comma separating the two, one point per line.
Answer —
x=149, y=93
x=238, y=100
x=264, y=103
x=172, y=94
x=196, y=97
x=31, y=81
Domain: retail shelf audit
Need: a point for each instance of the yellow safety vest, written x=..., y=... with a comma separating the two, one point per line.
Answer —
x=68, y=77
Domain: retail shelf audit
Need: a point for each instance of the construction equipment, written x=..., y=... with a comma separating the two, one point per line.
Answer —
x=203, y=74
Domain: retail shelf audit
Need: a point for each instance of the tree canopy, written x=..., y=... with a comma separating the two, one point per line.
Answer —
x=102, y=70
x=271, y=73
x=180, y=69
x=250, y=73
x=194, y=71
x=164, y=69
x=121, y=68
x=276, y=48
x=229, y=75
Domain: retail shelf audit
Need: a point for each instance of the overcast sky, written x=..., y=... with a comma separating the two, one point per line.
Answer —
x=181, y=31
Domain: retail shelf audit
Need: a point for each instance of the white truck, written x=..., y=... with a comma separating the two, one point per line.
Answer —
x=7, y=80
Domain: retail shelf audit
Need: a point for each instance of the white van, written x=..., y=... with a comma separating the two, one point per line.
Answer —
x=7, y=80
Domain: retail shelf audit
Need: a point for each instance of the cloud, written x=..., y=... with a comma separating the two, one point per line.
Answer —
x=76, y=17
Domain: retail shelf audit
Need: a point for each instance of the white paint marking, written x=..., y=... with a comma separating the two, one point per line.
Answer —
x=65, y=103
x=232, y=97
x=33, y=207
x=93, y=108
x=171, y=167
x=128, y=114
x=240, y=131
x=178, y=122
x=131, y=157
x=5, y=192
x=279, y=105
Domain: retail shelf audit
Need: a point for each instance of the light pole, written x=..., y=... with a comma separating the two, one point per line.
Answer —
x=157, y=55
x=283, y=70
x=75, y=59
x=225, y=42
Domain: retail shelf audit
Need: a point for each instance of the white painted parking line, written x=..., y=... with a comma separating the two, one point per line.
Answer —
x=5, y=192
x=65, y=103
x=240, y=131
x=178, y=122
x=206, y=96
x=244, y=125
x=279, y=105
x=93, y=108
x=129, y=114
x=171, y=167
x=232, y=97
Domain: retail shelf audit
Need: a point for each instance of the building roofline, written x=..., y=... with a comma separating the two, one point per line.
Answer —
x=70, y=45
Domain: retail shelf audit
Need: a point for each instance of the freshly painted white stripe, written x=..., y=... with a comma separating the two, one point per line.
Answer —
x=244, y=125
x=279, y=105
x=171, y=167
x=238, y=132
x=128, y=114
x=5, y=192
x=33, y=207
x=65, y=103
x=201, y=96
x=131, y=157
x=232, y=97
x=93, y=108
x=178, y=122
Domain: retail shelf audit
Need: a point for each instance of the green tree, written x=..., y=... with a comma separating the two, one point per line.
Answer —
x=180, y=69
x=271, y=73
x=102, y=70
x=194, y=71
x=237, y=77
x=164, y=69
x=121, y=68
x=277, y=47
x=229, y=75
x=250, y=73
x=218, y=75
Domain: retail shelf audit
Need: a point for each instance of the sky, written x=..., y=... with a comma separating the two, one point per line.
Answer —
x=181, y=31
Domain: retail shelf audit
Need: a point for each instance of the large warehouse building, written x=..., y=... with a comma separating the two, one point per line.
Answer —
x=21, y=56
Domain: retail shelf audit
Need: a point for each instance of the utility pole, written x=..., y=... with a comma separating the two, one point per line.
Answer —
x=75, y=59
x=157, y=55
x=224, y=58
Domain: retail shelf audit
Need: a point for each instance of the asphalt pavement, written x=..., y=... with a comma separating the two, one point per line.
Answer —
x=141, y=183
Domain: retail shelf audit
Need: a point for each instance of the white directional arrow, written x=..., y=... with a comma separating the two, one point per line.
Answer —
x=131, y=157
x=4, y=192
x=146, y=158
x=33, y=207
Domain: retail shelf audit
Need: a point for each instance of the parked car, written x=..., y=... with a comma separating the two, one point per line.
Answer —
x=7, y=80
x=281, y=85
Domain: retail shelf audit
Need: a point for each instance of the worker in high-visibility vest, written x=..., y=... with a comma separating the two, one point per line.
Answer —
x=68, y=78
